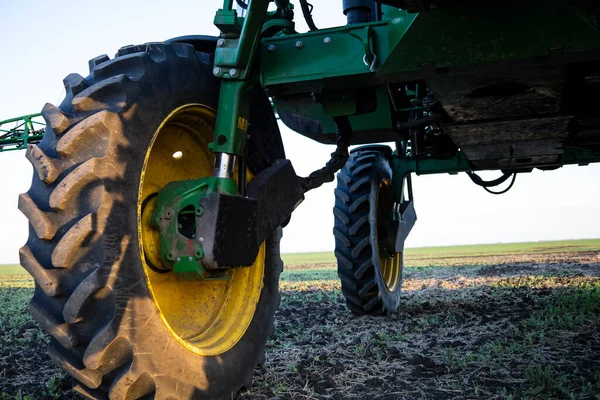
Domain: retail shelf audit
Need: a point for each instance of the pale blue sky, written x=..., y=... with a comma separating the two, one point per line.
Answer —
x=44, y=41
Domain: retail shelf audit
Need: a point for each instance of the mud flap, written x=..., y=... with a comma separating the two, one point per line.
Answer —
x=408, y=217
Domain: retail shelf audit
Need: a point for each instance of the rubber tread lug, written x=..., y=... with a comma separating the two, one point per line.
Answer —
x=76, y=242
x=107, y=351
x=90, y=285
x=43, y=223
x=69, y=188
x=129, y=385
x=359, y=202
x=90, y=136
x=360, y=247
x=367, y=287
x=59, y=330
x=368, y=156
x=131, y=65
x=360, y=272
x=343, y=196
x=344, y=219
x=352, y=297
x=359, y=184
x=47, y=169
x=341, y=259
x=97, y=61
x=347, y=281
x=339, y=235
x=363, y=167
x=87, y=393
x=359, y=224
x=371, y=303
x=47, y=279
x=96, y=97
x=54, y=117
x=344, y=177
x=91, y=379
x=74, y=84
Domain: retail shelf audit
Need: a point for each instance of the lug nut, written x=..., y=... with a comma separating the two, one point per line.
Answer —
x=327, y=40
x=299, y=44
x=221, y=42
x=216, y=71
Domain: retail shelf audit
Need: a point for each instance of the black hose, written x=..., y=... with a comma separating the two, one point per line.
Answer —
x=307, y=12
x=338, y=158
x=488, y=184
x=514, y=177
x=478, y=181
x=241, y=3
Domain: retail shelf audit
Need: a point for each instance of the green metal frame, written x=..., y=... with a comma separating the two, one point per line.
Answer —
x=332, y=61
x=18, y=133
x=182, y=254
x=262, y=49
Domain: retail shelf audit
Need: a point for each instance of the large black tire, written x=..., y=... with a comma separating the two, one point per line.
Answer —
x=355, y=231
x=91, y=292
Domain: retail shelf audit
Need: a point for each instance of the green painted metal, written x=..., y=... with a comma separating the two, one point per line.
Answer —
x=18, y=133
x=489, y=33
x=232, y=119
x=182, y=199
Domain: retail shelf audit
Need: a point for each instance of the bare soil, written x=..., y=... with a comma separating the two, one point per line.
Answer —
x=493, y=327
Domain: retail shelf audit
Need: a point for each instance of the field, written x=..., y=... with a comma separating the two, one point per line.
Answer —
x=506, y=321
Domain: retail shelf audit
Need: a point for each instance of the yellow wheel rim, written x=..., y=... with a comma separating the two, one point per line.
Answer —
x=207, y=317
x=390, y=263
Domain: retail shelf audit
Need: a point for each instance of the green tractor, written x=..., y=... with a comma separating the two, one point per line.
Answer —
x=161, y=184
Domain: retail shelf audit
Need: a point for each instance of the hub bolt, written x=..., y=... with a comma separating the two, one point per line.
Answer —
x=299, y=44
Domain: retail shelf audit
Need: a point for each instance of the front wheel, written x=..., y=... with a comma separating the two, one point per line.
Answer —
x=368, y=266
x=120, y=325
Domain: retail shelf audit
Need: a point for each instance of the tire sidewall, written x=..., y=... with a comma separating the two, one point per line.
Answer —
x=381, y=172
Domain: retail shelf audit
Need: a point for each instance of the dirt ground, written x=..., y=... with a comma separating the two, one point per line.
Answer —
x=510, y=327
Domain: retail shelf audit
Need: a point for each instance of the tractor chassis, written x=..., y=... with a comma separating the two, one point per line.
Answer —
x=366, y=77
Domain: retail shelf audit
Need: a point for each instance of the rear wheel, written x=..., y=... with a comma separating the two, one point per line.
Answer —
x=121, y=326
x=369, y=268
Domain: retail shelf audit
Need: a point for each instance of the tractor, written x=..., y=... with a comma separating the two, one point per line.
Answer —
x=161, y=185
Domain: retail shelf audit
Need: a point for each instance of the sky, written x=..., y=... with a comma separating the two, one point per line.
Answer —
x=45, y=41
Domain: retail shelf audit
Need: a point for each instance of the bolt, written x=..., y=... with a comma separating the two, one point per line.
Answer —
x=200, y=211
x=327, y=40
x=233, y=72
x=216, y=71
x=178, y=259
x=221, y=42
x=271, y=48
x=168, y=214
x=299, y=44
x=191, y=258
x=200, y=239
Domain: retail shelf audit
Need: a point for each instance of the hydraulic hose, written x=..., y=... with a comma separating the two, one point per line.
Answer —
x=338, y=158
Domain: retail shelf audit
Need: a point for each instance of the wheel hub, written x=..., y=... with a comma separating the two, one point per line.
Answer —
x=208, y=317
